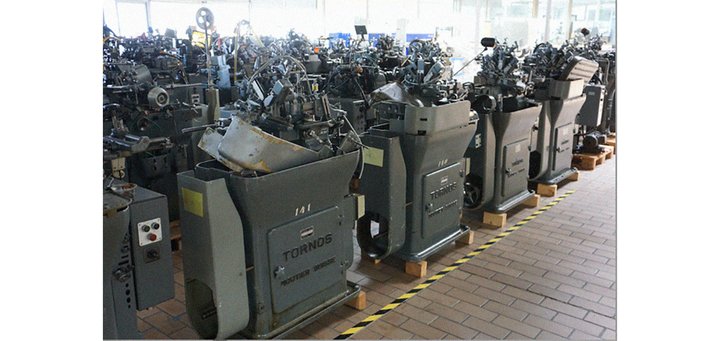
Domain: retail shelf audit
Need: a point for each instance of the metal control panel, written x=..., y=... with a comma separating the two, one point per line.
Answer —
x=150, y=231
x=137, y=260
x=151, y=251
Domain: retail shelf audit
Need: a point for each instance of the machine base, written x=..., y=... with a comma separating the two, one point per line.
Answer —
x=558, y=178
x=511, y=203
x=310, y=316
x=416, y=257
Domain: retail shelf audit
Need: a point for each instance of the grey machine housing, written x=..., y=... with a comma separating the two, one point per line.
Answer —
x=562, y=100
x=412, y=178
x=591, y=113
x=137, y=271
x=266, y=255
x=499, y=156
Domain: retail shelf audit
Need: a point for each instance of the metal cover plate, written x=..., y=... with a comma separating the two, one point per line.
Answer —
x=563, y=143
x=515, y=166
x=442, y=196
x=591, y=111
x=304, y=258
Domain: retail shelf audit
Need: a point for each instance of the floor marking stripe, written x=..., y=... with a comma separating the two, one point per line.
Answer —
x=391, y=306
x=374, y=317
x=408, y=295
x=352, y=330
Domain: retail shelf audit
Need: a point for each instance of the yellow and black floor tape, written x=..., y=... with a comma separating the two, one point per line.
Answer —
x=394, y=304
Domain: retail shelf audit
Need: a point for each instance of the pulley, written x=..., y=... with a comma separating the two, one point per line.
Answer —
x=158, y=97
x=204, y=18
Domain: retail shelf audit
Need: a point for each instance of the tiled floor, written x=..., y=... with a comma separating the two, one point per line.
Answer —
x=552, y=279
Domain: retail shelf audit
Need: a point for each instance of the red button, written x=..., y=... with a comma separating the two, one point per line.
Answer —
x=152, y=237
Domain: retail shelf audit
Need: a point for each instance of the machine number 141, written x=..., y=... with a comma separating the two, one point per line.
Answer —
x=302, y=209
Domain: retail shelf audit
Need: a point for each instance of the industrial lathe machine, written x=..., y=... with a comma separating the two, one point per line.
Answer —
x=271, y=151
x=499, y=151
x=267, y=225
x=413, y=166
x=147, y=92
x=558, y=84
x=597, y=116
x=354, y=77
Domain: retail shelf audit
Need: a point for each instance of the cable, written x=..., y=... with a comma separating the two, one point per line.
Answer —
x=362, y=163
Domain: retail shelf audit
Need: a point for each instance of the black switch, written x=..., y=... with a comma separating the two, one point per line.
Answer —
x=152, y=255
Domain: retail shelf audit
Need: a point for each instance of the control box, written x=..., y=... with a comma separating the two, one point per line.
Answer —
x=151, y=250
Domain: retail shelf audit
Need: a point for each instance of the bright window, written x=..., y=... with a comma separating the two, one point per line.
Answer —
x=461, y=23
x=342, y=16
x=133, y=19
x=110, y=17
x=174, y=16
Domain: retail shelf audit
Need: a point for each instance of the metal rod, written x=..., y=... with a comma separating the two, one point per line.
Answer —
x=569, y=19
x=207, y=54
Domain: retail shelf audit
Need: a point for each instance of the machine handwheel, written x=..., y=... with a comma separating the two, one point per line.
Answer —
x=473, y=196
x=374, y=244
x=204, y=18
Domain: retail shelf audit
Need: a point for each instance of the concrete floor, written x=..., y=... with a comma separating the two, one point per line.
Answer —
x=552, y=279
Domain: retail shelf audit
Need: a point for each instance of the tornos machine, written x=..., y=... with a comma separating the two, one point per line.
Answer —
x=413, y=166
x=559, y=83
x=267, y=225
x=499, y=152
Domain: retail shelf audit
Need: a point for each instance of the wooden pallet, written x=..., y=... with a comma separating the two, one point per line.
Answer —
x=359, y=302
x=611, y=141
x=610, y=149
x=490, y=220
x=586, y=161
x=532, y=201
x=467, y=238
x=494, y=220
x=547, y=190
x=416, y=269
